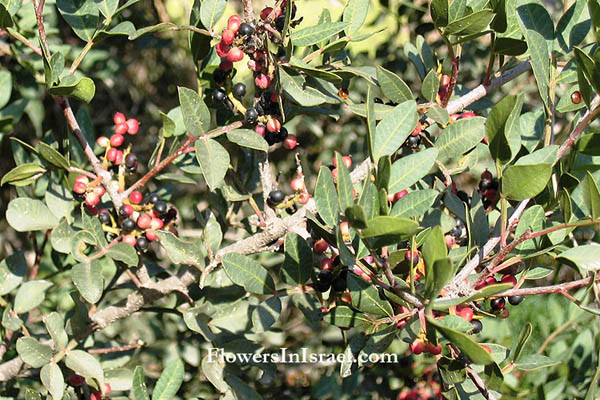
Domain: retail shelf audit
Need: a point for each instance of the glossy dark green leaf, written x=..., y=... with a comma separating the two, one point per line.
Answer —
x=125, y=253
x=297, y=265
x=356, y=216
x=294, y=86
x=266, y=314
x=79, y=88
x=249, y=274
x=314, y=34
x=501, y=128
x=384, y=225
x=392, y=131
x=585, y=258
x=326, y=197
x=432, y=250
x=591, y=195
x=365, y=297
x=520, y=343
x=408, y=170
x=589, y=67
x=414, y=204
x=346, y=317
x=196, y=116
x=170, y=381
x=465, y=344
x=470, y=24
x=384, y=171
x=51, y=155
x=521, y=182
x=199, y=43
x=88, y=280
x=12, y=272
x=393, y=86
x=344, y=184
x=509, y=46
x=213, y=160
x=182, y=251
x=532, y=362
x=22, y=174
x=460, y=137
x=81, y=15
x=540, y=63
x=430, y=86
x=211, y=11
x=439, y=13
x=247, y=138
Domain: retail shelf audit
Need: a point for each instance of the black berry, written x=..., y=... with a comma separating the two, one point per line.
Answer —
x=153, y=198
x=321, y=287
x=464, y=197
x=339, y=284
x=280, y=23
x=413, y=141
x=141, y=243
x=160, y=207
x=477, y=326
x=325, y=277
x=239, y=90
x=131, y=160
x=497, y=304
x=485, y=184
x=104, y=217
x=251, y=115
x=515, y=300
x=281, y=135
x=276, y=196
x=128, y=224
x=246, y=29
x=378, y=100
x=220, y=76
x=219, y=96
x=456, y=231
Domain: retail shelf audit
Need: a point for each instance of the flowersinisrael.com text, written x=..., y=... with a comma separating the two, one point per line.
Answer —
x=284, y=356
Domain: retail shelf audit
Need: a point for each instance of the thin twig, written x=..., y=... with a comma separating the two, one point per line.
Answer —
x=116, y=349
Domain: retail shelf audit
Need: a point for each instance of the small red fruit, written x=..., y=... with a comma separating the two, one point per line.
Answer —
x=450, y=240
x=345, y=229
x=79, y=188
x=129, y=239
x=509, y=279
x=107, y=389
x=486, y=175
x=466, y=313
x=401, y=324
x=297, y=184
x=327, y=264
x=117, y=140
x=127, y=209
x=414, y=256
x=133, y=126
x=290, y=142
x=118, y=157
x=346, y=160
x=254, y=66
x=99, y=190
x=102, y=141
x=260, y=129
x=576, y=97
x=346, y=297
x=92, y=199
x=119, y=118
x=468, y=114
x=417, y=347
x=151, y=235
x=334, y=173
x=265, y=13
x=445, y=81
x=320, y=246
x=144, y=221
x=222, y=49
x=226, y=65
x=82, y=179
x=303, y=198
x=417, y=130
x=234, y=22
x=95, y=395
x=487, y=348
x=400, y=195
x=263, y=81
x=121, y=129
x=76, y=380
x=235, y=54
x=136, y=197
x=111, y=154
x=274, y=125
x=93, y=210
x=227, y=36
x=435, y=350
x=156, y=224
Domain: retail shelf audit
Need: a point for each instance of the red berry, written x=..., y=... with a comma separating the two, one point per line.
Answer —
x=129, y=239
x=450, y=240
x=576, y=97
x=466, y=313
x=417, y=347
x=119, y=118
x=412, y=255
x=121, y=129
x=401, y=324
x=79, y=188
x=263, y=81
x=95, y=395
x=509, y=279
x=76, y=380
x=417, y=130
x=487, y=348
x=274, y=125
x=445, y=81
x=127, y=209
x=227, y=36
x=93, y=210
x=235, y=54
x=265, y=13
x=486, y=175
x=156, y=224
x=133, y=126
x=290, y=142
x=222, y=49
x=111, y=155
x=435, y=350
x=303, y=198
x=345, y=228
x=490, y=280
x=234, y=22
x=99, y=190
x=135, y=197
x=107, y=389
x=468, y=114
x=254, y=66
x=297, y=184
x=151, y=235
x=117, y=140
x=82, y=179
x=226, y=65
x=118, y=157
x=327, y=264
x=102, y=141
x=92, y=199
x=346, y=297
x=260, y=129
x=400, y=195
x=334, y=173
x=347, y=160
x=320, y=246
x=144, y=221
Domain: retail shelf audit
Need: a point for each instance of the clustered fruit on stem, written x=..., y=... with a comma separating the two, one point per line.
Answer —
x=251, y=38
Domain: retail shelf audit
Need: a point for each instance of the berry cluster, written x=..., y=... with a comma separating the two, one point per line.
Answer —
x=77, y=382
x=277, y=197
x=250, y=37
x=422, y=345
x=488, y=187
x=90, y=192
x=113, y=154
x=414, y=139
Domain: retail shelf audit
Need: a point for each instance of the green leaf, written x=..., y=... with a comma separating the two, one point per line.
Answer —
x=438, y=114
x=509, y=46
x=408, y=170
x=460, y=137
x=384, y=171
x=248, y=138
x=471, y=24
x=84, y=364
x=33, y=352
x=211, y=11
x=344, y=184
x=213, y=160
x=532, y=219
x=501, y=128
x=59, y=200
x=52, y=378
x=384, y=226
x=22, y=173
x=170, y=381
x=430, y=86
x=5, y=18
x=138, y=387
x=532, y=362
x=199, y=43
x=30, y=295
x=345, y=317
x=108, y=7
x=12, y=271
x=249, y=274
x=540, y=63
x=6, y=85
x=240, y=389
x=355, y=14
x=356, y=217
x=61, y=236
x=589, y=67
x=294, y=85
x=393, y=130
x=266, y=314
x=591, y=195
x=521, y=182
x=465, y=344
x=365, y=297
x=414, y=204
x=125, y=28
x=435, y=249
x=196, y=116
x=81, y=89
x=393, y=86
x=371, y=121
x=313, y=71
x=480, y=294
x=317, y=33
x=585, y=258
x=520, y=343
x=55, y=325
x=297, y=265
x=182, y=252
x=369, y=200
x=326, y=197
x=439, y=13
x=125, y=253
x=571, y=30
x=533, y=15
x=88, y=280
x=81, y=15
